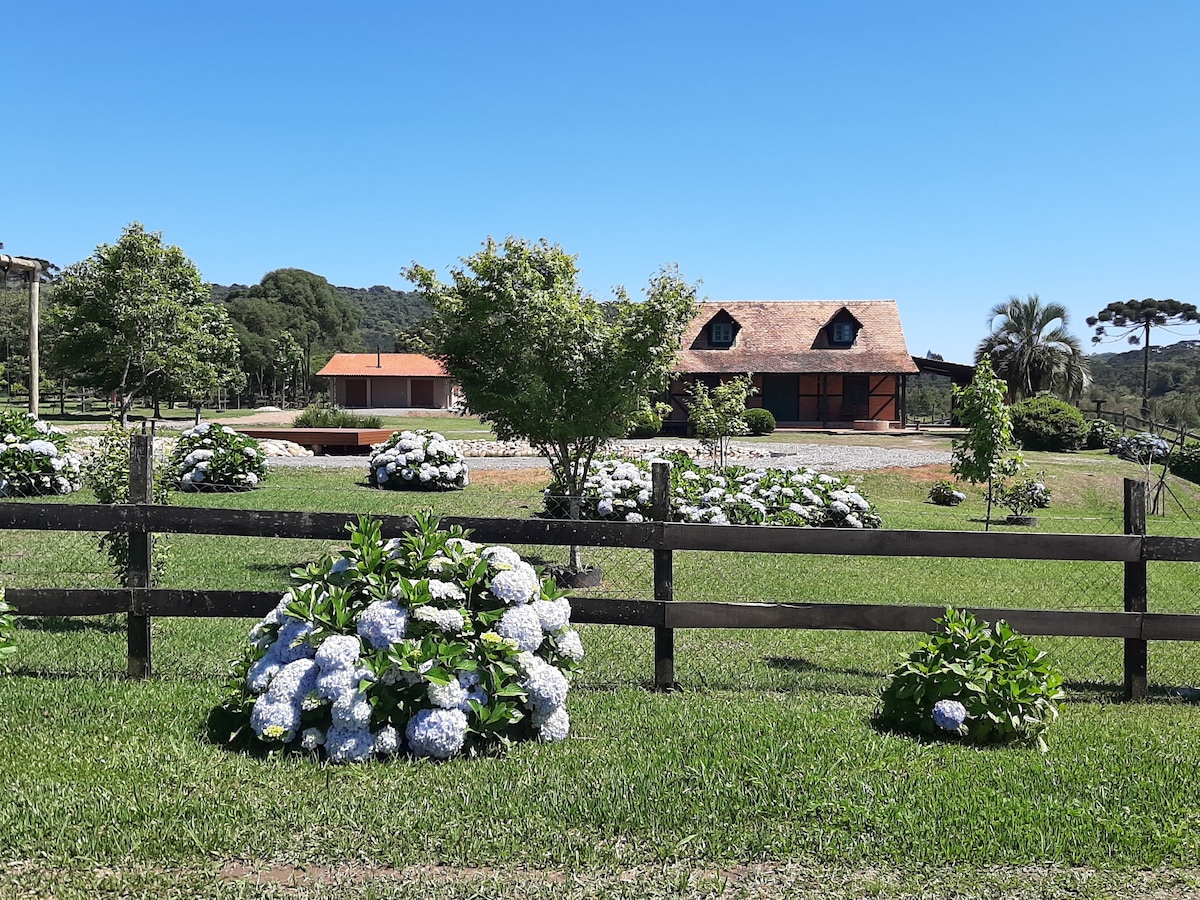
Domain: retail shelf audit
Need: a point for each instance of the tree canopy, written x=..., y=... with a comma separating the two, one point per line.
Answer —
x=135, y=318
x=544, y=361
x=1032, y=350
x=987, y=453
x=313, y=313
x=1133, y=320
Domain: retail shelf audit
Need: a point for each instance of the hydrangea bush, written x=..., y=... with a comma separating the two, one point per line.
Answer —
x=7, y=627
x=944, y=493
x=978, y=682
x=429, y=645
x=619, y=488
x=1101, y=435
x=420, y=460
x=1144, y=448
x=34, y=459
x=215, y=457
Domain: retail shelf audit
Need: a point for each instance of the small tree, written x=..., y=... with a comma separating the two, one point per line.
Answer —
x=542, y=360
x=135, y=317
x=719, y=414
x=1134, y=319
x=987, y=454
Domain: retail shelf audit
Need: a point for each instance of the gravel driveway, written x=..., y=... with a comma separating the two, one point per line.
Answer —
x=826, y=457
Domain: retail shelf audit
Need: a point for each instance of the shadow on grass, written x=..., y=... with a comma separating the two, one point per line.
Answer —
x=109, y=623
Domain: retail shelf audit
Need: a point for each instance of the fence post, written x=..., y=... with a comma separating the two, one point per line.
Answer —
x=1136, y=653
x=141, y=543
x=664, y=579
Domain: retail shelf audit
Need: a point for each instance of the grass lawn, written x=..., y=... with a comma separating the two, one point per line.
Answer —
x=761, y=778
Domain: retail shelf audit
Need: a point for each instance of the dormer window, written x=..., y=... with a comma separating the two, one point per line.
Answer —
x=721, y=333
x=841, y=333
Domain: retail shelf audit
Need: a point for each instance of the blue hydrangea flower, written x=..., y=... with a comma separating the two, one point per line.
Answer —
x=383, y=623
x=522, y=625
x=949, y=714
x=349, y=744
x=437, y=732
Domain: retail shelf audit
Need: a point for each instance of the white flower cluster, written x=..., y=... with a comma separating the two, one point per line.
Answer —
x=210, y=457
x=619, y=488
x=470, y=645
x=34, y=460
x=419, y=460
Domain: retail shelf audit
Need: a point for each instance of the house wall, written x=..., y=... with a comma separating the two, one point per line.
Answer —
x=394, y=391
x=817, y=399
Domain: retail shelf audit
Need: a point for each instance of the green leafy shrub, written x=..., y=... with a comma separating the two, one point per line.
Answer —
x=944, y=493
x=216, y=458
x=647, y=421
x=1186, y=462
x=1101, y=435
x=1047, y=423
x=34, y=459
x=1003, y=687
x=7, y=627
x=323, y=414
x=107, y=474
x=1024, y=496
x=759, y=421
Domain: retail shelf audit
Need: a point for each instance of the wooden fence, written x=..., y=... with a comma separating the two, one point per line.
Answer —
x=1134, y=549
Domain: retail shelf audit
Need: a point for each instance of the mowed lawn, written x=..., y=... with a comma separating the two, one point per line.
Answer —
x=762, y=776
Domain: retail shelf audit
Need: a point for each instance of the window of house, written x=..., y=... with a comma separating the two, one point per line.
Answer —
x=721, y=333
x=843, y=333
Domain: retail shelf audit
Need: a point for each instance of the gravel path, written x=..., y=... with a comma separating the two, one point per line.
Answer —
x=826, y=457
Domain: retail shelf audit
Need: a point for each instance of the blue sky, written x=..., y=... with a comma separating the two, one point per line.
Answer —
x=946, y=155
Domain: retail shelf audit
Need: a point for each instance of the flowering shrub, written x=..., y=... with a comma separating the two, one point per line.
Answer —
x=1101, y=435
x=983, y=683
x=7, y=626
x=620, y=488
x=1023, y=496
x=215, y=457
x=418, y=460
x=944, y=493
x=428, y=644
x=1144, y=448
x=34, y=459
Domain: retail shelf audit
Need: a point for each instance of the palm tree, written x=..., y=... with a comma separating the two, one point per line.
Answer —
x=1032, y=350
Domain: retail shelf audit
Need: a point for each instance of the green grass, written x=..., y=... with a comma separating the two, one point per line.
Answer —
x=763, y=777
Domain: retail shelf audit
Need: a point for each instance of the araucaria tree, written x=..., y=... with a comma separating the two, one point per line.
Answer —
x=1032, y=350
x=1133, y=320
x=542, y=360
x=987, y=454
x=135, y=318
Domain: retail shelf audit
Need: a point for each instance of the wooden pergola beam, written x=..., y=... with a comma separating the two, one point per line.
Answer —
x=34, y=267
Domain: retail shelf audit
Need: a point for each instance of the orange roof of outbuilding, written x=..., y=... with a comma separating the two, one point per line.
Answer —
x=400, y=364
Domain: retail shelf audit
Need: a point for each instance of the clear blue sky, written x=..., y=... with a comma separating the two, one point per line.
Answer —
x=946, y=155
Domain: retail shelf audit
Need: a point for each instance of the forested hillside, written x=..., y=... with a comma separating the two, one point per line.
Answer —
x=384, y=311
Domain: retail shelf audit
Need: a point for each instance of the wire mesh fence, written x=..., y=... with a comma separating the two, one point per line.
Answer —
x=187, y=647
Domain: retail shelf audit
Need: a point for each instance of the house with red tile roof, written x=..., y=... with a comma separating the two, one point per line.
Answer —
x=814, y=362
x=391, y=380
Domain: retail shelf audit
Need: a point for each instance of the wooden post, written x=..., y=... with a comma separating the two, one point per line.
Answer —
x=141, y=546
x=1136, y=655
x=35, y=373
x=664, y=579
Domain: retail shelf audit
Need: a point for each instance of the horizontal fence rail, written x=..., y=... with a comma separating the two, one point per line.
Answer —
x=643, y=535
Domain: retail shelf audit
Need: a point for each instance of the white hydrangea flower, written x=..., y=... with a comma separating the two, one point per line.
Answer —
x=439, y=733
x=522, y=625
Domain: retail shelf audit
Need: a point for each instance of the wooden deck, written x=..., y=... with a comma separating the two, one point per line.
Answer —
x=319, y=440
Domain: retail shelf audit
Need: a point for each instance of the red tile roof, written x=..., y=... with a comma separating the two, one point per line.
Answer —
x=402, y=364
x=789, y=336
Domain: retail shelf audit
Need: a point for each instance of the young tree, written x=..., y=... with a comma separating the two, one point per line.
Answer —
x=719, y=414
x=135, y=317
x=542, y=360
x=987, y=454
x=1134, y=319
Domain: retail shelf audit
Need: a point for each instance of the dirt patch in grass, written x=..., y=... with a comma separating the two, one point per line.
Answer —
x=921, y=474
x=509, y=477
